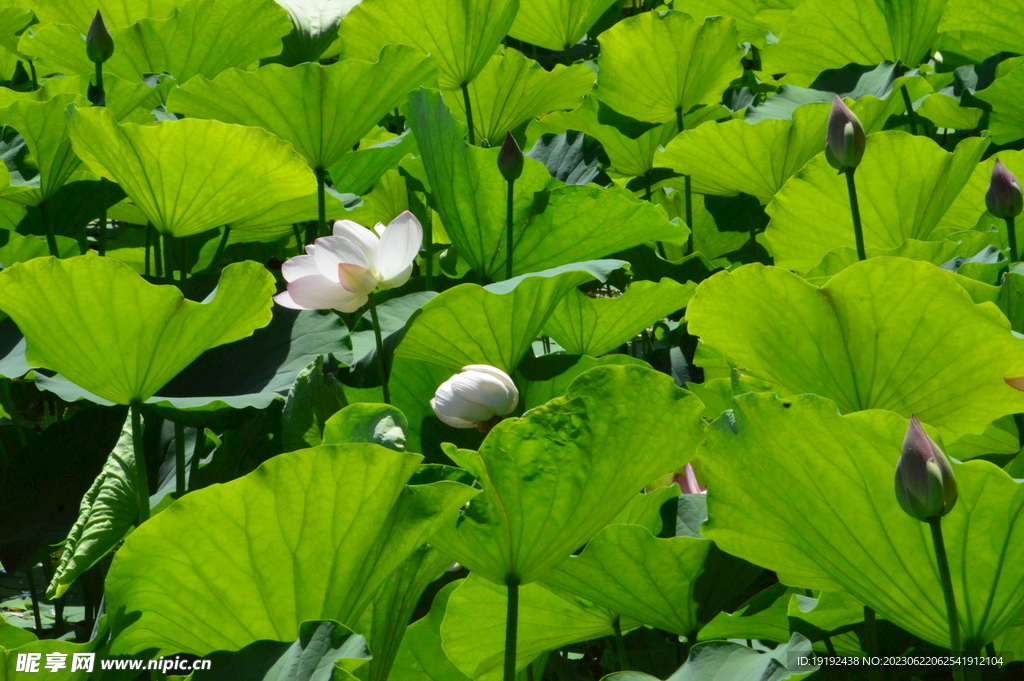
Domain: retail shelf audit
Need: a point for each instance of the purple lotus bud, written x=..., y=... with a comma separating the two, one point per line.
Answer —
x=99, y=46
x=1004, y=198
x=510, y=160
x=845, y=140
x=925, y=486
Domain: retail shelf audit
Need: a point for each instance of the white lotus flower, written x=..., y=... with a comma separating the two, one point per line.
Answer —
x=475, y=396
x=339, y=272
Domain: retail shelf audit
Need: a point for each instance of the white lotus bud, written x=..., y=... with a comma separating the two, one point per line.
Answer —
x=475, y=397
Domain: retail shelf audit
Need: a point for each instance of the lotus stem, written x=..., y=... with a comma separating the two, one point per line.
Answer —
x=1011, y=236
x=224, y=242
x=955, y=644
x=509, y=243
x=101, y=235
x=168, y=240
x=51, y=237
x=910, y=109
x=141, y=477
x=298, y=238
x=101, y=96
x=871, y=642
x=380, y=350
x=321, y=203
x=428, y=260
x=158, y=258
x=858, y=230
x=469, y=113
x=687, y=190
x=35, y=600
x=32, y=70
x=149, y=245
x=198, y=452
x=620, y=644
x=179, y=459
x=511, y=627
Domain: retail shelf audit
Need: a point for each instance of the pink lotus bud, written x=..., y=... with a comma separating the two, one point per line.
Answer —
x=1003, y=197
x=687, y=481
x=845, y=140
x=925, y=486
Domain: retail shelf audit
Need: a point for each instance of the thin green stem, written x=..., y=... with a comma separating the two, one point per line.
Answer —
x=158, y=258
x=34, y=593
x=101, y=235
x=509, y=243
x=620, y=644
x=858, y=230
x=321, y=203
x=1011, y=235
x=224, y=244
x=149, y=245
x=168, y=240
x=871, y=642
x=35, y=78
x=141, y=477
x=99, y=84
x=198, y=452
x=184, y=258
x=179, y=459
x=955, y=644
x=469, y=113
x=511, y=627
x=688, y=191
x=684, y=652
x=298, y=238
x=910, y=109
x=380, y=350
x=428, y=253
x=51, y=237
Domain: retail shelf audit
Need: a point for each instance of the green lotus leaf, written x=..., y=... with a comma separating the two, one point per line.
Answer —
x=905, y=184
x=947, y=112
x=574, y=223
x=593, y=326
x=556, y=24
x=512, y=89
x=986, y=26
x=497, y=323
x=324, y=650
x=379, y=424
x=630, y=154
x=751, y=28
x=420, y=655
x=15, y=248
x=885, y=559
x=820, y=35
x=757, y=158
x=657, y=64
x=122, y=97
x=461, y=35
x=192, y=175
x=673, y=584
x=473, y=629
x=116, y=13
x=13, y=20
x=108, y=511
x=187, y=43
x=1007, y=106
x=358, y=171
x=322, y=110
x=534, y=393
x=72, y=313
x=12, y=637
x=856, y=335
x=355, y=496
x=316, y=27
x=44, y=127
x=387, y=618
x=763, y=616
x=314, y=397
x=556, y=476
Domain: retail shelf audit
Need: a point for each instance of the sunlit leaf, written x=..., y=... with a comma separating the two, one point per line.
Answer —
x=74, y=314
x=192, y=175
x=243, y=542
x=1004, y=95
x=986, y=26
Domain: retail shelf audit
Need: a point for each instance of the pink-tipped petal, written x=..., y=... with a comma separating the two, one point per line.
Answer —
x=319, y=293
x=332, y=251
x=357, y=279
x=1015, y=383
x=299, y=266
x=284, y=299
x=399, y=245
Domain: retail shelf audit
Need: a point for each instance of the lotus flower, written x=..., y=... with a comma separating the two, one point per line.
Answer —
x=925, y=486
x=475, y=397
x=340, y=272
x=1003, y=197
x=845, y=140
x=99, y=45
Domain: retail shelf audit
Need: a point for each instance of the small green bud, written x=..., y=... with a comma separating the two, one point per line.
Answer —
x=510, y=160
x=925, y=485
x=99, y=46
x=1003, y=197
x=844, y=140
